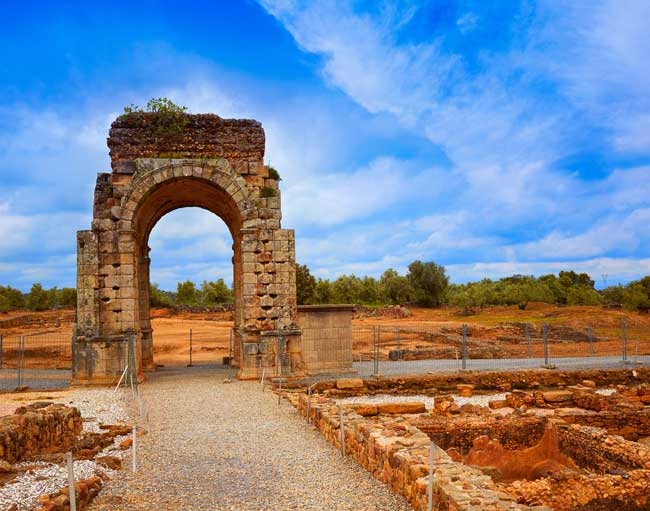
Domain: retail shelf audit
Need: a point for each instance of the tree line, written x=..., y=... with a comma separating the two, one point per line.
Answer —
x=37, y=299
x=209, y=293
x=427, y=284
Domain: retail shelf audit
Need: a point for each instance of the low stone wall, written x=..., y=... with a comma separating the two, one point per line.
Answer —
x=397, y=454
x=486, y=380
x=587, y=492
x=594, y=449
x=618, y=414
x=513, y=432
x=85, y=492
x=630, y=424
x=38, y=428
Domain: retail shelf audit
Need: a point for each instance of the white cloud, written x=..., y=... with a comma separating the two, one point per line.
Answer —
x=467, y=22
x=335, y=198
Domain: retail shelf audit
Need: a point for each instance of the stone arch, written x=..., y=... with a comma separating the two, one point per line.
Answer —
x=113, y=262
x=211, y=186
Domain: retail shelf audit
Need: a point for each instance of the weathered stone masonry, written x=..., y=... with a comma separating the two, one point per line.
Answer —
x=212, y=163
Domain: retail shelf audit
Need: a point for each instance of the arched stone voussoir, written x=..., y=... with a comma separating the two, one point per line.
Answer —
x=218, y=172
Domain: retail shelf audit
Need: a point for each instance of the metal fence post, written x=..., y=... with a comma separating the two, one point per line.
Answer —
x=529, y=348
x=545, y=335
x=624, y=339
x=590, y=334
x=375, y=351
x=190, y=364
x=21, y=354
x=464, y=347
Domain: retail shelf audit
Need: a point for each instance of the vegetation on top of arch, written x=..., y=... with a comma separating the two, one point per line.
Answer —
x=170, y=118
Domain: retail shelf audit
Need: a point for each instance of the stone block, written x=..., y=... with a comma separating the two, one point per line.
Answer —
x=557, y=396
x=399, y=408
x=349, y=383
x=250, y=348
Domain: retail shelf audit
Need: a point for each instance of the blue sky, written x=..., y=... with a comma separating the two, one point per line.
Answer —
x=492, y=137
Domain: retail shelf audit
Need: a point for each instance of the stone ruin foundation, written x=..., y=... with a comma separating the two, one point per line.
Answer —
x=207, y=162
x=540, y=448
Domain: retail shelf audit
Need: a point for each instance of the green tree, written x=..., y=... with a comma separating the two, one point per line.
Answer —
x=159, y=298
x=13, y=297
x=429, y=282
x=571, y=279
x=216, y=292
x=323, y=292
x=68, y=297
x=5, y=305
x=582, y=295
x=305, y=285
x=186, y=293
x=369, y=292
x=38, y=298
x=395, y=288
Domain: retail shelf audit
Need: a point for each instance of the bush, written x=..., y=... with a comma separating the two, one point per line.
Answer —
x=274, y=174
x=268, y=192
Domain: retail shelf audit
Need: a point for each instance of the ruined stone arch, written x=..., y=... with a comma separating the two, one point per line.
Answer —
x=215, y=164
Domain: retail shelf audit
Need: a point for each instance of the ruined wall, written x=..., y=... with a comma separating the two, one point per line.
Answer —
x=502, y=381
x=35, y=429
x=513, y=432
x=593, y=448
x=398, y=455
x=208, y=162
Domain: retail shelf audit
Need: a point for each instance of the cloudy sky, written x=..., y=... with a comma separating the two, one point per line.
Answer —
x=493, y=137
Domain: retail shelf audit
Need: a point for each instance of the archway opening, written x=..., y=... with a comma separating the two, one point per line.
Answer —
x=191, y=295
x=165, y=198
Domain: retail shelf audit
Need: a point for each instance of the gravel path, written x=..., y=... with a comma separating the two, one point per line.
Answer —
x=217, y=446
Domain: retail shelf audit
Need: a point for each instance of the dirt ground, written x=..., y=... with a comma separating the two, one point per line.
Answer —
x=494, y=332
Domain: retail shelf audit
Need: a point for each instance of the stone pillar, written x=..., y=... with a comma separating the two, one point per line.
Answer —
x=144, y=298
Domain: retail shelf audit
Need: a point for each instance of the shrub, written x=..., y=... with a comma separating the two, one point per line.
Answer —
x=274, y=174
x=267, y=192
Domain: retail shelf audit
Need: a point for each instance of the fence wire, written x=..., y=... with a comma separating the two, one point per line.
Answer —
x=385, y=349
x=40, y=360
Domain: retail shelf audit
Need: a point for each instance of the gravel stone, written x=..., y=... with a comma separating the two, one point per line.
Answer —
x=216, y=446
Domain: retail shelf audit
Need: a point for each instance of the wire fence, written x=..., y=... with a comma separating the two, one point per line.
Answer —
x=39, y=360
x=208, y=347
x=397, y=349
x=44, y=360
